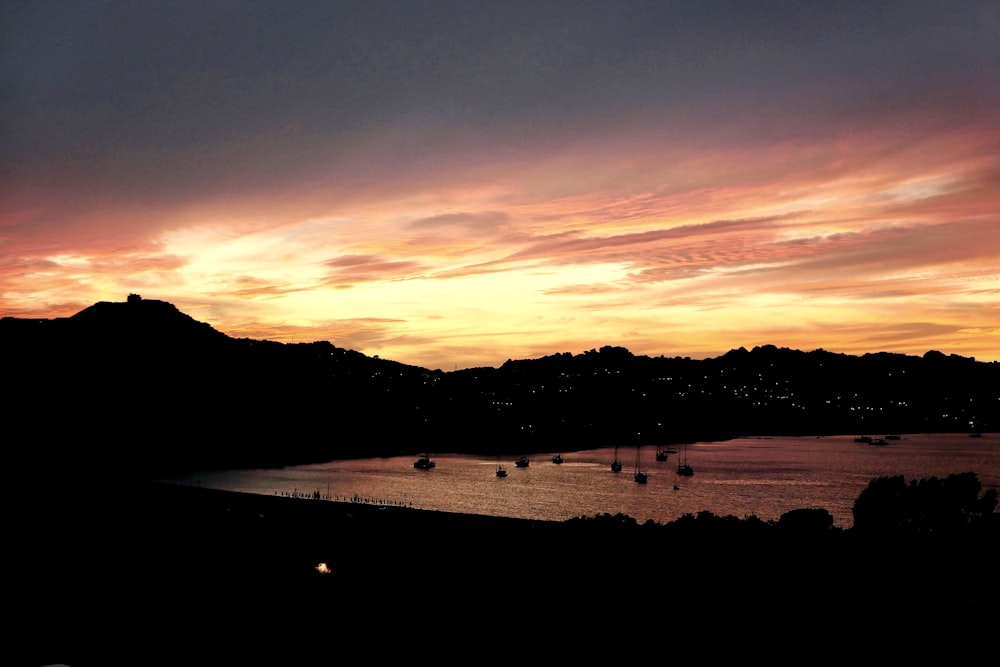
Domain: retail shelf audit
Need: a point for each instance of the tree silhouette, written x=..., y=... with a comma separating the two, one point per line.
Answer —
x=926, y=506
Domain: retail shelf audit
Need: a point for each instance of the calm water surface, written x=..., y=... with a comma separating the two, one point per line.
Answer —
x=765, y=477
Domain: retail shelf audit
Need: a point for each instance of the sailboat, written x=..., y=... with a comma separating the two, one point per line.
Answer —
x=661, y=454
x=501, y=471
x=683, y=468
x=424, y=462
x=522, y=462
x=640, y=476
x=616, y=465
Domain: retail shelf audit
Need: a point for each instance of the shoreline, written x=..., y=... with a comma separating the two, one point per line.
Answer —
x=182, y=571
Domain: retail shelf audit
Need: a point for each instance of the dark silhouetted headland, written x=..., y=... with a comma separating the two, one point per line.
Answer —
x=142, y=385
x=113, y=569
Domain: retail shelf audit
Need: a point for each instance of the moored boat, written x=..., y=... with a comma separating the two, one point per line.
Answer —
x=425, y=462
x=639, y=476
x=683, y=468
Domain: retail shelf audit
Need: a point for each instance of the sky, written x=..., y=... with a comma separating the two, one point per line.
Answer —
x=455, y=184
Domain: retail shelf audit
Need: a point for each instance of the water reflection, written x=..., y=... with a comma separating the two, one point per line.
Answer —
x=748, y=476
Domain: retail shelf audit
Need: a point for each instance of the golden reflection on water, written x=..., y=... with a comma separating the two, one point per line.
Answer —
x=763, y=477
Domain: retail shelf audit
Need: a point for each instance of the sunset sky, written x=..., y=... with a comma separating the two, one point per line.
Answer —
x=455, y=184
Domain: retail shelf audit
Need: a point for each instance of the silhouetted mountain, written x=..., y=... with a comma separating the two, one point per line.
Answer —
x=142, y=387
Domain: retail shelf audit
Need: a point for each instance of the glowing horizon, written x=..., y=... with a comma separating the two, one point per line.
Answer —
x=790, y=193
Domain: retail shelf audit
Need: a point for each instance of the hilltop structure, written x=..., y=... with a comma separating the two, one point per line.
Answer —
x=160, y=390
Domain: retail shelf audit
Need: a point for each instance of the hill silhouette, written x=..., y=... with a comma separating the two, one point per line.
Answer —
x=115, y=570
x=142, y=386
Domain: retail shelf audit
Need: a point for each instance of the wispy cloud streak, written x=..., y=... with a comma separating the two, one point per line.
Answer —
x=454, y=186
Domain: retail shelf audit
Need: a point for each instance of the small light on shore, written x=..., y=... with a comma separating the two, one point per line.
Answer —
x=322, y=568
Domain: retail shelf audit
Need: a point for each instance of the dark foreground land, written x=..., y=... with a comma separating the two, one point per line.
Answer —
x=164, y=574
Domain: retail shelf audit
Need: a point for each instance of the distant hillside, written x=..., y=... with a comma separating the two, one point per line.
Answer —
x=145, y=387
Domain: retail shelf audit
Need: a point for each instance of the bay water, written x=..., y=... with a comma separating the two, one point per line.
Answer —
x=759, y=476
